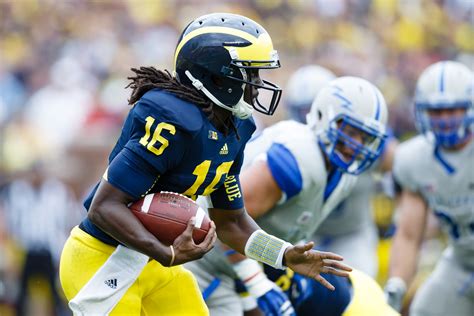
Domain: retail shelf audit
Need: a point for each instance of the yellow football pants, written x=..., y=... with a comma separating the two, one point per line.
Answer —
x=157, y=291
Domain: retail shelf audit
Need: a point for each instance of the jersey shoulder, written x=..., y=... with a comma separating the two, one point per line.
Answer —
x=245, y=128
x=295, y=149
x=418, y=145
x=410, y=160
x=166, y=107
x=298, y=138
x=302, y=141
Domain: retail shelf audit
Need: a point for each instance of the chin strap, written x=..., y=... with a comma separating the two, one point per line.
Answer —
x=242, y=109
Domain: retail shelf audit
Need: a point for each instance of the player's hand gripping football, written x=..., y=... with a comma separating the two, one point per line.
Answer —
x=184, y=247
x=304, y=260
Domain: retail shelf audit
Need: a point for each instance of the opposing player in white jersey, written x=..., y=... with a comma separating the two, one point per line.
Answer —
x=435, y=171
x=294, y=174
x=349, y=230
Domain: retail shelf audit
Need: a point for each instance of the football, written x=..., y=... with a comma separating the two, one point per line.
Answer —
x=166, y=215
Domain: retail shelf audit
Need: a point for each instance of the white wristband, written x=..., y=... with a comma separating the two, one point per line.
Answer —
x=396, y=284
x=251, y=274
x=266, y=248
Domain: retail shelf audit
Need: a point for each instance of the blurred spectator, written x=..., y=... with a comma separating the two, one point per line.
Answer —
x=59, y=109
x=39, y=212
x=64, y=68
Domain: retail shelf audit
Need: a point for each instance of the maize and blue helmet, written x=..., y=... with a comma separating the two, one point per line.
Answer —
x=349, y=117
x=445, y=85
x=216, y=53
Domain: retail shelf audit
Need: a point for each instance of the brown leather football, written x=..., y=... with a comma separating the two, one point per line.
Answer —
x=166, y=215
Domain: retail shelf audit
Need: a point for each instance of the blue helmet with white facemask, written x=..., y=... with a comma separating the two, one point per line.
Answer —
x=349, y=117
x=445, y=85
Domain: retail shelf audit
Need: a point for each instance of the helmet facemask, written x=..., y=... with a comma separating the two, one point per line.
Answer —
x=448, y=130
x=248, y=70
x=444, y=108
x=351, y=145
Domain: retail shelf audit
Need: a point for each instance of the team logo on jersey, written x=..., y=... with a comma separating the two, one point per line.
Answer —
x=224, y=150
x=112, y=283
x=212, y=135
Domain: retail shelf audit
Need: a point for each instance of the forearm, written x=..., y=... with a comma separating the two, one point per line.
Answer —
x=114, y=218
x=409, y=236
x=403, y=258
x=232, y=256
x=233, y=227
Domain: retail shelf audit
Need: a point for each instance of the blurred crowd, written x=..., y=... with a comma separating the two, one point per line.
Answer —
x=64, y=68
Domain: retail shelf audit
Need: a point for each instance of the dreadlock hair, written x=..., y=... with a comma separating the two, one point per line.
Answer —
x=147, y=78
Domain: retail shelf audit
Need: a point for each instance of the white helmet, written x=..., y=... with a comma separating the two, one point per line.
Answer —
x=302, y=88
x=445, y=85
x=345, y=104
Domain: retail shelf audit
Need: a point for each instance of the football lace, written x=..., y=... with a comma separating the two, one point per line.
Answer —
x=178, y=194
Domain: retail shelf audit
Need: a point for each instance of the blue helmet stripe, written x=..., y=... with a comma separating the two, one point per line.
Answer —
x=345, y=101
x=377, y=105
x=441, y=78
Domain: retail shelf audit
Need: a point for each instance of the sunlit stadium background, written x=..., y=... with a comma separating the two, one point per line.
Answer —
x=64, y=67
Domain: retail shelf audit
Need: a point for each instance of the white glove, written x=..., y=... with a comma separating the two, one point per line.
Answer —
x=395, y=290
x=270, y=298
x=251, y=274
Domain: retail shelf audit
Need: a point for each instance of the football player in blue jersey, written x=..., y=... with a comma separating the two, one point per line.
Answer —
x=184, y=133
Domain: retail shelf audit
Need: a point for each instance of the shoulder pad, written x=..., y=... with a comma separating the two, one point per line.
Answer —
x=302, y=143
x=409, y=158
x=168, y=107
x=245, y=128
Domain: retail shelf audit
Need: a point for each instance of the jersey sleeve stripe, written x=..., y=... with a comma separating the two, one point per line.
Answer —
x=147, y=202
x=285, y=169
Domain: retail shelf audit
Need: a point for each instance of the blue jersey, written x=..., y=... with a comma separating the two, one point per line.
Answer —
x=308, y=296
x=168, y=144
x=354, y=296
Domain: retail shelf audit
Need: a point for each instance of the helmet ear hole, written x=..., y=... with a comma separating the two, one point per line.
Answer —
x=320, y=115
x=217, y=81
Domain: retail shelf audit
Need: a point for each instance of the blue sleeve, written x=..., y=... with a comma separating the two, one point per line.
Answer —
x=229, y=195
x=285, y=170
x=131, y=174
x=155, y=137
